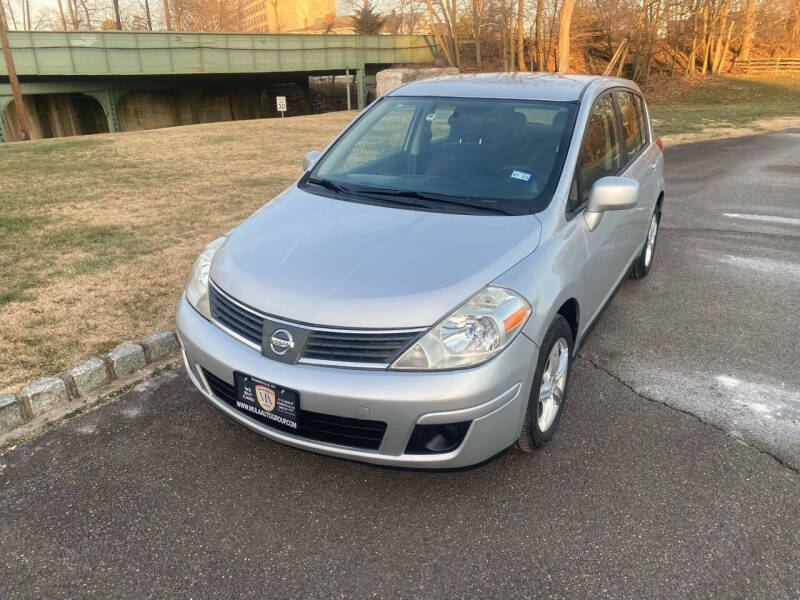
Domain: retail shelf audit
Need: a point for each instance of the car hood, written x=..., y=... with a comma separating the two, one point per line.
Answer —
x=323, y=261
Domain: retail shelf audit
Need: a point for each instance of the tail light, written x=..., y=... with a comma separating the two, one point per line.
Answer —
x=660, y=143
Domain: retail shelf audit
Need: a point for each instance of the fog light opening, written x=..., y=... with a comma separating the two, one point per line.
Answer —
x=437, y=439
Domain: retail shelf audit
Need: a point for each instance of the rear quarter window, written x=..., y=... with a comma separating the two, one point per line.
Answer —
x=640, y=108
x=631, y=119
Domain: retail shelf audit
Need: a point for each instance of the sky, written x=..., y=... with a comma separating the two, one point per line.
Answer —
x=155, y=7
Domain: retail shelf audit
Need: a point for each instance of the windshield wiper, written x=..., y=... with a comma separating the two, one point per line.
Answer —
x=431, y=197
x=341, y=189
x=329, y=184
x=394, y=196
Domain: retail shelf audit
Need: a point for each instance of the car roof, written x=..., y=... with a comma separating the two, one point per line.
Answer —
x=516, y=86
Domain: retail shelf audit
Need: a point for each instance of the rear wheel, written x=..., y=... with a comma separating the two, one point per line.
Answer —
x=549, y=389
x=642, y=266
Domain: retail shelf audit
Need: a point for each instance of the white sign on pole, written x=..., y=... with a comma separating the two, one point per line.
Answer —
x=281, y=102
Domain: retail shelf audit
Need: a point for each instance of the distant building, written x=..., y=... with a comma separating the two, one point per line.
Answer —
x=284, y=15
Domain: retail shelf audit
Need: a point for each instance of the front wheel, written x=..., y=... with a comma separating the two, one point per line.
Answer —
x=549, y=389
x=642, y=265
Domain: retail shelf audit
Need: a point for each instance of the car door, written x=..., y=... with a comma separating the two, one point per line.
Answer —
x=640, y=164
x=608, y=246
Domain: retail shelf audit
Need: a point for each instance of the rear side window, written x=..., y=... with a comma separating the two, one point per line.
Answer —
x=631, y=121
x=600, y=151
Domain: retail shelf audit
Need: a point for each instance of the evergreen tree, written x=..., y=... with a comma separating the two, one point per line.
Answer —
x=366, y=21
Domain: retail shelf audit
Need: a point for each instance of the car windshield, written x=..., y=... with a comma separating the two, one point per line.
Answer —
x=465, y=155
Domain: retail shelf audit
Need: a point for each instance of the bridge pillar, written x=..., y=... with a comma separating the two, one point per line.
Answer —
x=361, y=88
x=108, y=99
x=4, y=102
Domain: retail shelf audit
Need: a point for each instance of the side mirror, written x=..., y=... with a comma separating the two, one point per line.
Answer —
x=610, y=193
x=309, y=159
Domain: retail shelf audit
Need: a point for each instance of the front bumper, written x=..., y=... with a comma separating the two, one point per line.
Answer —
x=493, y=396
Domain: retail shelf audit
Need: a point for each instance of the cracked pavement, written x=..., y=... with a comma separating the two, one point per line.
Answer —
x=713, y=330
x=642, y=494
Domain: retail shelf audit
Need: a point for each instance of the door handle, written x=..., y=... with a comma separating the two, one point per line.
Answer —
x=653, y=165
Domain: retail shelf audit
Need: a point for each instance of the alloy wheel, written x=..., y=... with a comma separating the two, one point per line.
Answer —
x=554, y=380
x=651, y=241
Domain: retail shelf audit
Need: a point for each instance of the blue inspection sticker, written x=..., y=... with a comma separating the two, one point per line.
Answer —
x=521, y=175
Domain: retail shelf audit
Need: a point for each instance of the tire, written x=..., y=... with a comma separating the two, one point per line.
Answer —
x=532, y=435
x=643, y=264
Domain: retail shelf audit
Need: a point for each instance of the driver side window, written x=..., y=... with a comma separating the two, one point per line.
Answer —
x=600, y=154
x=386, y=138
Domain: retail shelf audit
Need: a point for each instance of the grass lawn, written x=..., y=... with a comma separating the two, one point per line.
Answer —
x=97, y=234
x=722, y=106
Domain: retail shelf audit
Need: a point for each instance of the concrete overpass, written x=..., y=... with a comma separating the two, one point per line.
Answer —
x=54, y=67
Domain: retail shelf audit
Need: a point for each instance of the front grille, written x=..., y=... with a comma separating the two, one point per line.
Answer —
x=353, y=347
x=358, y=433
x=357, y=347
x=234, y=317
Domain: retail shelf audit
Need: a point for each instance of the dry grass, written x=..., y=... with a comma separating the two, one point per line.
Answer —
x=698, y=108
x=97, y=234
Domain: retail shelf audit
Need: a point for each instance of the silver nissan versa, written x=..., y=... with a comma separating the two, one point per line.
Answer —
x=416, y=298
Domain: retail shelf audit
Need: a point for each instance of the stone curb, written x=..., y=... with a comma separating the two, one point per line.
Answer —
x=85, y=380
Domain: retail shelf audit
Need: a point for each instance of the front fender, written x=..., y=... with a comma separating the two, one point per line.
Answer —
x=549, y=277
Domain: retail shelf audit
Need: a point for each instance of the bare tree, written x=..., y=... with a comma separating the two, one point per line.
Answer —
x=520, y=36
x=564, y=22
x=117, y=20
x=748, y=30
x=167, y=16
x=477, y=18
x=541, y=62
x=274, y=5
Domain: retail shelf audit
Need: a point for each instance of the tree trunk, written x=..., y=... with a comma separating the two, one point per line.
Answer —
x=521, y=36
x=706, y=37
x=541, y=64
x=277, y=17
x=73, y=14
x=512, y=35
x=148, y=17
x=615, y=57
x=564, y=21
x=453, y=21
x=437, y=35
x=61, y=12
x=10, y=13
x=718, y=66
x=117, y=19
x=19, y=104
x=723, y=24
x=794, y=43
x=86, y=12
x=621, y=65
x=505, y=42
x=477, y=10
x=747, y=30
x=167, y=16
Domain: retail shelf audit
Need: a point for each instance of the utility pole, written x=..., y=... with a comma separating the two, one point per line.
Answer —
x=22, y=119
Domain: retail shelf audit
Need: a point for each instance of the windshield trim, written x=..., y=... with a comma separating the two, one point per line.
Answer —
x=544, y=200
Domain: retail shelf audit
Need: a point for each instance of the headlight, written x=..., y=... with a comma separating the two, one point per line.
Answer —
x=471, y=334
x=197, y=287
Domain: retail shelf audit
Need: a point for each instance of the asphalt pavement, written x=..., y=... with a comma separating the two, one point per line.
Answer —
x=642, y=494
x=715, y=327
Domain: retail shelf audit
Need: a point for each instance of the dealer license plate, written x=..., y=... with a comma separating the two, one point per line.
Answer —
x=267, y=402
